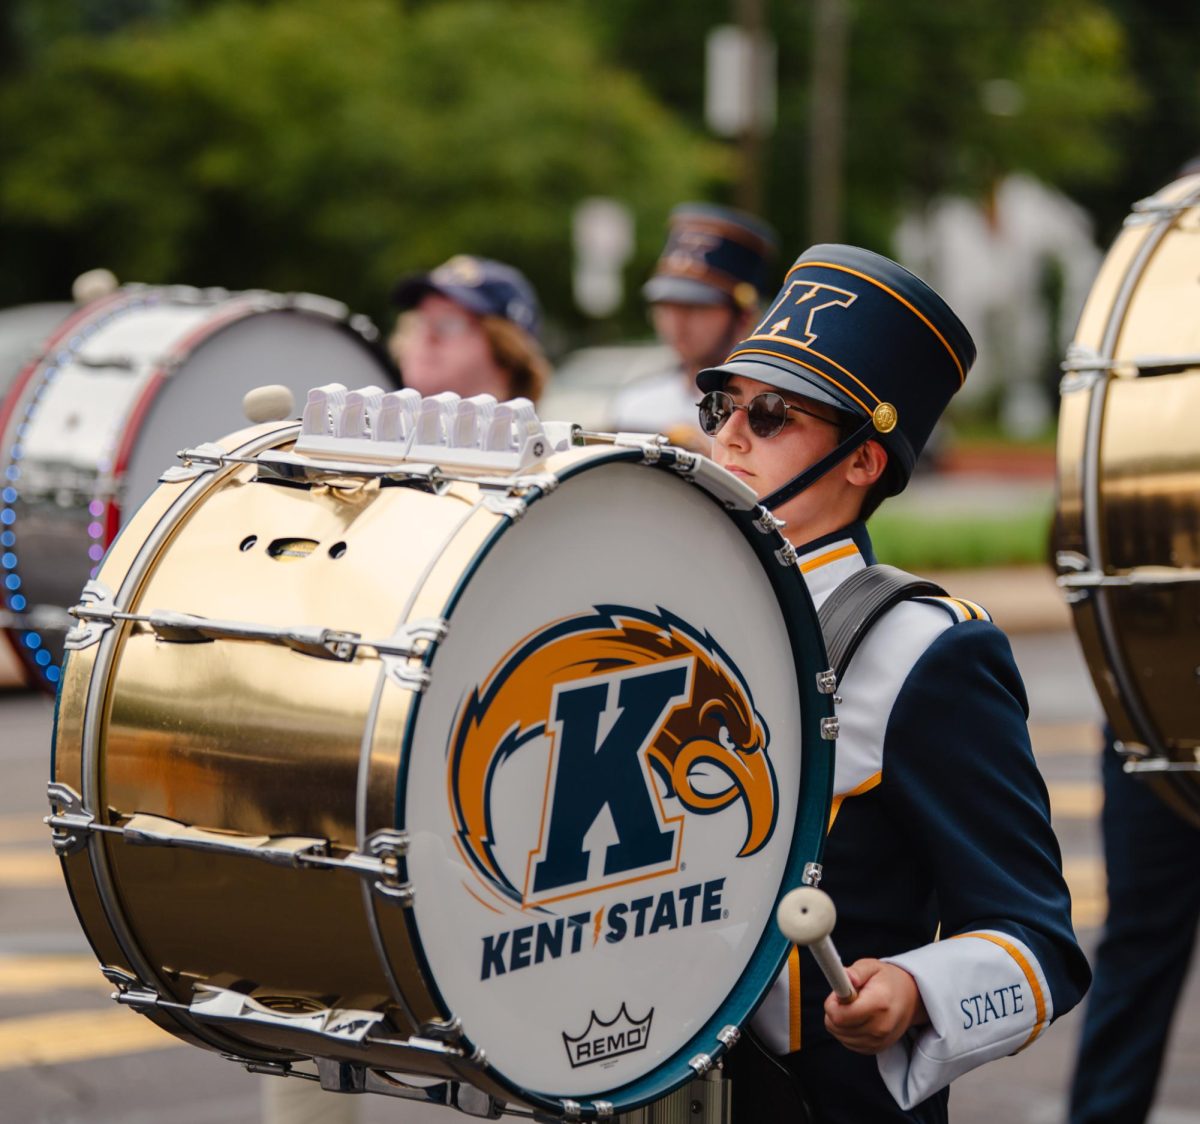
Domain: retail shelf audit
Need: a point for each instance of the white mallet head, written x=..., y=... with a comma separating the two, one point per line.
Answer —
x=806, y=915
x=269, y=403
x=93, y=285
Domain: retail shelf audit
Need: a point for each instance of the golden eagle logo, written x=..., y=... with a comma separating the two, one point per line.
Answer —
x=638, y=710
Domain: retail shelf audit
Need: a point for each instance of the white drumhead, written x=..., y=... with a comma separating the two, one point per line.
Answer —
x=612, y=626
x=287, y=347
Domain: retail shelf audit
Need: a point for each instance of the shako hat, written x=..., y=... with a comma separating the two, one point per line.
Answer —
x=859, y=332
x=713, y=255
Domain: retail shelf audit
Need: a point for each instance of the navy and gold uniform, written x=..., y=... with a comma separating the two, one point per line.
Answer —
x=939, y=856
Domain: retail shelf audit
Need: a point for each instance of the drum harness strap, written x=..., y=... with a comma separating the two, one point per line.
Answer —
x=852, y=610
x=846, y=617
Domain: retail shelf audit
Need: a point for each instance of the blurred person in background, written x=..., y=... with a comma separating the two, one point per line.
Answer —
x=704, y=296
x=1149, y=936
x=470, y=326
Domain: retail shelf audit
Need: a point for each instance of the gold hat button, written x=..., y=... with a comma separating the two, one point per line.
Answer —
x=885, y=417
x=745, y=295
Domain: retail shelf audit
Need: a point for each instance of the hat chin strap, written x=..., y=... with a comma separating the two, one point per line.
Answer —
x=814, y=472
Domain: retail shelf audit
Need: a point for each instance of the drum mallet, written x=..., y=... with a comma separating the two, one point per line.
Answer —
x=806, y=916
x=268, y=403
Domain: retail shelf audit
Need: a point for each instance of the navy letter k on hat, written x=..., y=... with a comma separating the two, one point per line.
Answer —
x=856, y=330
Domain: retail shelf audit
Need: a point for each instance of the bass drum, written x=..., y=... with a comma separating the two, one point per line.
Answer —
x=24, y=331
x=1128, y=539
x=420, y=789
x=118, y=389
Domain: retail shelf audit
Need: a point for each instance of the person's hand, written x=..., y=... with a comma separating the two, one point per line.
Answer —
x=887, y=1004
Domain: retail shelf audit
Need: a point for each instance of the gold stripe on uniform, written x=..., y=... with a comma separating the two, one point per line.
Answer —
x=1038, y=999
x=794, y=999
x=858, y=790
x=834, y=555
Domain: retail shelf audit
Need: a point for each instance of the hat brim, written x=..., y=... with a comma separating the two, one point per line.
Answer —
x=683, y=290
x=410, y=291
x=781, y=374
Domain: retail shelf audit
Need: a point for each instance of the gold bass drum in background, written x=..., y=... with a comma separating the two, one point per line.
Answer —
x=1128, y=527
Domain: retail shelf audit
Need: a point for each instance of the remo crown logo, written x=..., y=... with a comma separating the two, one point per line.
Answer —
x=644, y=723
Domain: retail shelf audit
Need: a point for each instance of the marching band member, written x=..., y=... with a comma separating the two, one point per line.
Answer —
x=704, y=295
x=954, y=917
x=470, y=326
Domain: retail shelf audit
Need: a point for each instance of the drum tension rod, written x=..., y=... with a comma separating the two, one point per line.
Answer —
x=71, y=823
x=412, y=640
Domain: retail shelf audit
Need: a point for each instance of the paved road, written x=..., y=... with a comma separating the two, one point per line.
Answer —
x=68, y=1055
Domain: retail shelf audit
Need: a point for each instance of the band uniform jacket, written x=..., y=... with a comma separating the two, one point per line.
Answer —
x=939, y=857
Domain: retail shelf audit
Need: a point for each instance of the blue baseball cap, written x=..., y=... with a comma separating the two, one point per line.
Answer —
x=859, y=332
x=713, y=255
x=480, y=285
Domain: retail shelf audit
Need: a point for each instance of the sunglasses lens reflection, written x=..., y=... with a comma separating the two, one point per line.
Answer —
x=715, y=408
x=767, y=413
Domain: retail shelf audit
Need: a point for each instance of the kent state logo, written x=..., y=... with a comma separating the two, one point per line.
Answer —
x=646, y=719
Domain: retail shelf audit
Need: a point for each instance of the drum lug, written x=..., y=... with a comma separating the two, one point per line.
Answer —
x=768, y=523
x=94, y=615
x=829, y=729
x=69, y=820
x=132, y=992
x=786, y=555
x=196, y=462
x=443, y=1030
x=511, y=507
x=812, y=874
x=410, y=678
x=729, y=1035
x=827, y=681
x=701, y=1064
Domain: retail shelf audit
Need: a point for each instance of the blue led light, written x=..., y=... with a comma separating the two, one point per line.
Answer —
x=9, y=495
x=43, y=657
x=12, y=581
x=7, y=538
x=33, y=641
x=12, y=472
x=9, y=560
x=53, y=674
x=8, y=517
x=17, y=603
x=17, y=453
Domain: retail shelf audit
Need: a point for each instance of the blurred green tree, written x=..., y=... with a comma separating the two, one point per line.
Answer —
x=307, y=145
x=940, y=97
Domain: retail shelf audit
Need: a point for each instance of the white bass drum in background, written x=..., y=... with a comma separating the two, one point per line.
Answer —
x=124, y=384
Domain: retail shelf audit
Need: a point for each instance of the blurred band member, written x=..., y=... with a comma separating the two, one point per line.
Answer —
x=703, y=298
x=470, y=326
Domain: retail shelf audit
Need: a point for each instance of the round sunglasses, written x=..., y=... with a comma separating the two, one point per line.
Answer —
x=767, y=412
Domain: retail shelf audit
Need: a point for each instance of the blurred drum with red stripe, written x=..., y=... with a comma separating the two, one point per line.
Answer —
x=24, y=331
x=114, y=391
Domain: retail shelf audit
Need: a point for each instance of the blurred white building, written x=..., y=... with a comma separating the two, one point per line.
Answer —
x=1017, y=269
